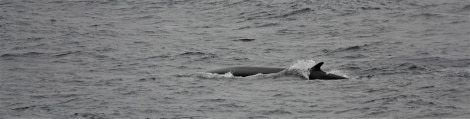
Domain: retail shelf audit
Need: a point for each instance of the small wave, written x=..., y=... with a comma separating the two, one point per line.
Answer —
x=351, y=49
x=338, y=72
x=428, y=16
x=195, y=54
x=411, y=66
x=456, y=72
x=295, y=12
x=67, y=53
x=28, y=54
x=276, y=112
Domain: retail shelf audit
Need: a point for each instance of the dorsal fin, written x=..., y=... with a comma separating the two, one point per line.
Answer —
x=317, y=67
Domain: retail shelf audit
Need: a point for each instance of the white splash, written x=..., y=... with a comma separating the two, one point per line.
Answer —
x=301, y=67
x=214, y=75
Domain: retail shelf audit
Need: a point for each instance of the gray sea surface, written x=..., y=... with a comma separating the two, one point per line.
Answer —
x=107, y=59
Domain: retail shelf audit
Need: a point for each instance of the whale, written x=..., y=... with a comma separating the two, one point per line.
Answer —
x=243, y=71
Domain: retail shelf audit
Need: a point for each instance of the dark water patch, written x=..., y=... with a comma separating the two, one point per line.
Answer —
x=218, y=100
x=111, y=82
x=284, y=94
x=381, y=90
x=355, y=56
x=88, y=115
x=33, y=108
x=351, y=67
x=289, y=32
x=362, y=110
x=22, y=108
x=295, y=12
x=464, y=73
x=354, y=52
x=420, y=102
x=348, y=49
x=271, y=50
x=243, y=28
x=232, y=105
x=148, y=17
x=242, y=3
x=32, y=46
x=428, y=16
x=184, y=75
x=266, y=25
x=370, y=8
x=414, y=66
x=315, y=111
x=240, y=58
x=39, y=96
x=277, y=112
x=82, y=56
x=32, y=39
x=103, y=33
x=449, y=107
x=104, y=49
x=24, y=55
x=213, y=108
x=192, y=92
x=158, y=58
x=256, y=15
x=67, y=53
x=245, y=40
x=347, y=12
x=390, y=100
x=5, y=3
x=258, y=117
x=425, y=87
x=131, y=91
x=435, y=114
x=193, y=54
x=71, y=95
x=198, y=87
x=360, y=35
x=381, y=111
x=410, y=66
x=197, y=56
x=455, y=93
x=466, y=8
x=81, y=100
x=441, y=62
x=147, y=79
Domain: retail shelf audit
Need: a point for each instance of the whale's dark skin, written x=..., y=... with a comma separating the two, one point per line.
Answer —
x=315, y=72
x=247, y=71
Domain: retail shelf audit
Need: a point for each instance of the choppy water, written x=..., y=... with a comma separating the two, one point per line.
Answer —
x=145, y=58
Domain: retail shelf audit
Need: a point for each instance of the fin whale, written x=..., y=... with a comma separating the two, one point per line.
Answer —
x=315, y=72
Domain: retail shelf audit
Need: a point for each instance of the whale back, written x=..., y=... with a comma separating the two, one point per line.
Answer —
x=315, y=71
x=246, y=71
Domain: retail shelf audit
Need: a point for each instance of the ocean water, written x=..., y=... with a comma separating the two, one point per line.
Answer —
x=100, y=59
